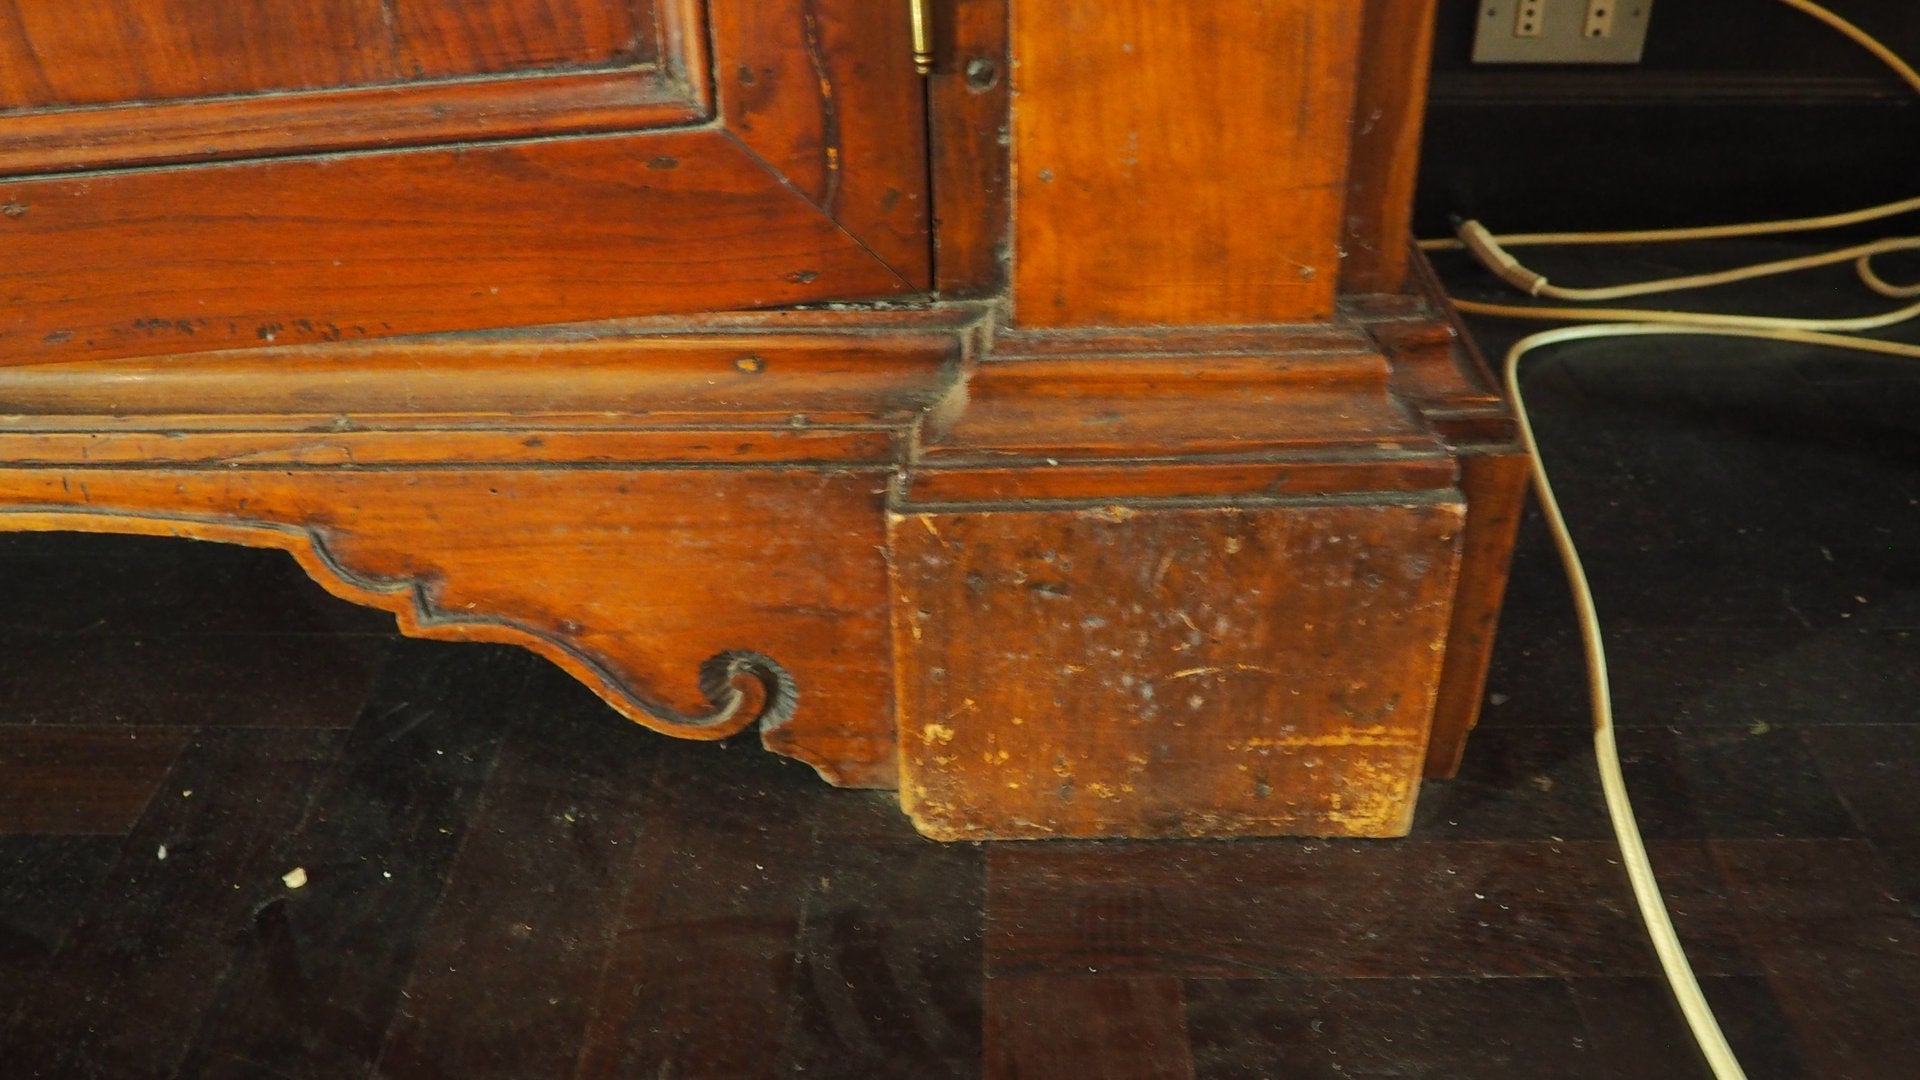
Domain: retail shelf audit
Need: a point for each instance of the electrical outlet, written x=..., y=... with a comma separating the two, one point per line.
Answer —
x=1562, y=31
x=1600, y=14
x=1528, y=18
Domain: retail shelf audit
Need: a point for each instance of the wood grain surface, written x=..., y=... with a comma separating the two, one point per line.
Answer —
x=1438, y=371
x=585, y=893
x=811, y=186
x=85, y=52
x=442, y=325
x=1137, y=670
x=1180, y=164
x=645, y=67
x=968, y=95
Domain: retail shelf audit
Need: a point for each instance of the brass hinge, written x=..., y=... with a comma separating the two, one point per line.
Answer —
x=922, y=37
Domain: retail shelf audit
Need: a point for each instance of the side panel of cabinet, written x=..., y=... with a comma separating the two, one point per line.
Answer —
x=264, y=174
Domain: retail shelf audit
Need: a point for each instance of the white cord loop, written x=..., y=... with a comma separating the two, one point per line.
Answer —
x=1492, y=252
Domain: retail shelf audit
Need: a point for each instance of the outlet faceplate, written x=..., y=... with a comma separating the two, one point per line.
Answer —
x=1561, y=31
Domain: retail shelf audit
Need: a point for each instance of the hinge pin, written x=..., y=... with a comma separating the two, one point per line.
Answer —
x=922, y=38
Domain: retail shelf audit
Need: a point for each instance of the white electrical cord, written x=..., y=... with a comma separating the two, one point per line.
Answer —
x=1633, y=849
x=1630, y=322
x=1861, y=38
x=1493, y=254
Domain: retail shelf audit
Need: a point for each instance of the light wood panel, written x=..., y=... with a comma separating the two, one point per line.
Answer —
x=374, y=245
x=1180, y=163
x=629, y=506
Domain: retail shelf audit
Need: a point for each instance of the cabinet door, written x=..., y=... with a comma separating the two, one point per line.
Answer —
x=180, y=175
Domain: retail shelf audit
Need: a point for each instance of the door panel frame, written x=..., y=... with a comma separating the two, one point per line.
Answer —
x=674, y=90
x=807, y=184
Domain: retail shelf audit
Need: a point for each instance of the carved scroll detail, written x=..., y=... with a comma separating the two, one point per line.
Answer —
x=719, y=678
x=724, y=679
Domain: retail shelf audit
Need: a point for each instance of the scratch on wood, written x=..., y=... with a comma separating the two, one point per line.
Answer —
x=1194, y=673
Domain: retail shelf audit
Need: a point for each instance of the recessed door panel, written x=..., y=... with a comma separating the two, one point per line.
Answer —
x=180, y=176
x=56, y=53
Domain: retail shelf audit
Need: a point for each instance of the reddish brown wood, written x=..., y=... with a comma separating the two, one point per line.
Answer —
x=81, y=52
x=215, y=129
x=603, y=504
x=823, y=91
x=1495, y=483
x=559, y=567
x=1389, y=111
x=1271, y=475
x=825, y=378
x=1180, y=163
x=968, y=98
x=1439, y=372
x=813, y=187
x=1131, y=647
x=441, y=38
x=81, y=781
x=655, y=76
x=1102, y=405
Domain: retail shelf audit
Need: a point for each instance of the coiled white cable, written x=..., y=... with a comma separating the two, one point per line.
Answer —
x=1631, y=322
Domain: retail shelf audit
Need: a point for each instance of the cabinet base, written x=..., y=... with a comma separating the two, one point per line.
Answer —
x=1196, y=584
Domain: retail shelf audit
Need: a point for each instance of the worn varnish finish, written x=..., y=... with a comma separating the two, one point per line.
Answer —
x=85, y=52
x=211, y=84
x=553, y=574
x=1173, y=606
x=1441, y=373
x=1085, y=672
x=967, y=95
x=1158, y=520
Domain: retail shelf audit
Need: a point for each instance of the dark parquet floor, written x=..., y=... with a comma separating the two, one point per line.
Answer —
x=505, y=880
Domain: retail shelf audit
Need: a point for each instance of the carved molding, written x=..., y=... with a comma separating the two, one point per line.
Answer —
x=742, y=686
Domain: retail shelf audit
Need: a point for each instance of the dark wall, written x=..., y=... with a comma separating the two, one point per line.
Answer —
x=1742, y=110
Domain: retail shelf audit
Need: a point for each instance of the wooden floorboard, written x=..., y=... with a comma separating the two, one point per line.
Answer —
x=141, y=972
x=315, y=988
x=704, y=956
x=90, y=781
x=1389, y=1027
x=1115, y=1027
x=888, y=980
x=499, y=983
x=1294, y=909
